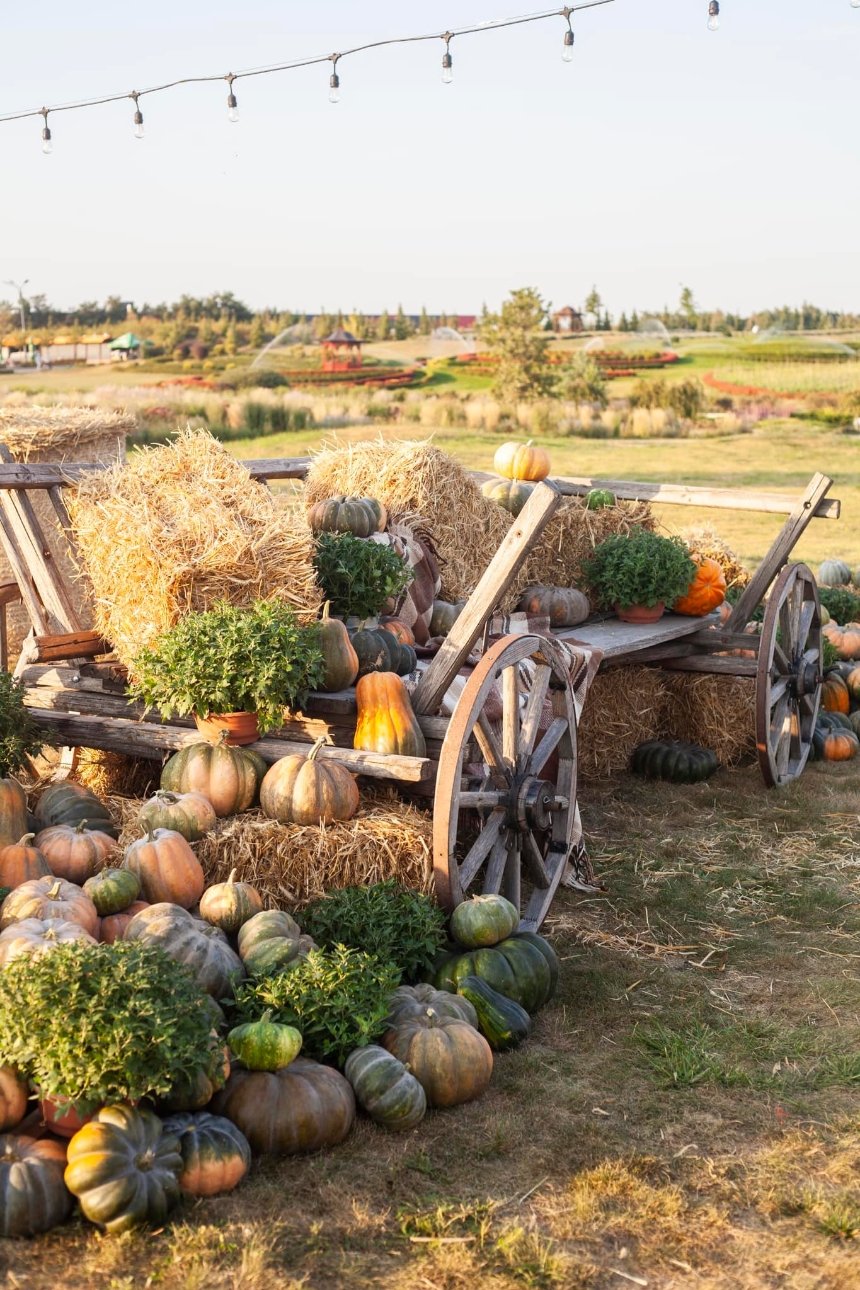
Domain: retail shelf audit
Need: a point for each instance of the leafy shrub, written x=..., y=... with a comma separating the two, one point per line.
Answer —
x=229, y=659
x=390, y=922
x=357, y=576
x=254, y=378
x=641, y=569
x=687, y=398
x=96, y=1024
x=581, y=381
x=20, y=736
x=843, y=606
x=337, y=998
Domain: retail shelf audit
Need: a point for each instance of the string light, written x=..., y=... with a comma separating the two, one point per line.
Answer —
x=495, y=24
x=447, y=60
x=714, y=15
x=138, y=115
x=567, y=51
x=232, y=105
x=47, y=141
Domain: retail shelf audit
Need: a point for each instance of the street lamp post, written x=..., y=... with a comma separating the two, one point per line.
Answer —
x=19, y=287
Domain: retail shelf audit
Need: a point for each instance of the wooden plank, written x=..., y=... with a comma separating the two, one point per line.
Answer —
x=731, y=499
x=145, y=739
x=99, y=677
x=778, y=555
x=64, y=645
x=715, y=664
x=498, y=576
x=17, y=475
x=26, y=585
x=616, y=639
x=19, y=516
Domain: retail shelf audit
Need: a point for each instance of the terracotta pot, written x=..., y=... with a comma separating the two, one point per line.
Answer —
x=64, y=1123
x=241, y=727
x=640, y=613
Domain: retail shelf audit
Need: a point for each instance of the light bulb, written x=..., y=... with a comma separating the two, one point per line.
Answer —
x=138, y=125
x=567, y=52
x=447, y=68
x=47, y=142
x=232, y=108
x=334, y=88
x=714, y=16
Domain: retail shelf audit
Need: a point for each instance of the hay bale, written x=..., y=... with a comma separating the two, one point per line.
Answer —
x=716, y=712
x=111, y=774
x=625, y=706
x=467, y=528
x=291, y=864
x=58, y=434
x=179, y=528
x=570, y=537
x=706, y=541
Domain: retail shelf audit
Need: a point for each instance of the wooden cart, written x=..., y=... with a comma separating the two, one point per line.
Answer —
x=503, y=783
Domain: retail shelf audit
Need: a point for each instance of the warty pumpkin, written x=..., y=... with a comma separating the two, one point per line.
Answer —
x=452, y=1062
x=339, y=657
x=19, y=862
x=112, y=891
x=522, y=461
x=484, y=920
x=124, y=1169
x=33, y=1196
x=706, y=592
x=303, y=1107
x=191, y=814
x=360, y=516
x=230, y=904
x=307, y=790
x=385, y=1089
x=166, y=867
x=510, y=494
x=215, y=1154
x=203, y=949
x=229, y=777
x=68, y=803
x=265, y=1045
x=563, y=606
x=385, y=722
x=835, y=695
x=35, y=936
x=50, y=898
x=13, y=813
x=75, y=851
x=14, y=1095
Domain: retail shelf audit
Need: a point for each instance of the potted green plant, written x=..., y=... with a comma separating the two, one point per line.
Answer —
x=93, y=1025
x=226, y=663
x=639, y=574
x=358, y=576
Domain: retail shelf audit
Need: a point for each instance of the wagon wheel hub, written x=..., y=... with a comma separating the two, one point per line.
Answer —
x=807, y=678
x=532, y=804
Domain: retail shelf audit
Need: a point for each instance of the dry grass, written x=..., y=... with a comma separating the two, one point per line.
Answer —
x=179, y=528
x=110, y=774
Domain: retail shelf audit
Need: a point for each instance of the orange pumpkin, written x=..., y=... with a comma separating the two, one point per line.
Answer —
x=305, y=790
x=845, y=640
x=75, y=852
x=852, y=680
x=20, y=862
x=839, y=745
x=401, y=631
x=521, y=461
x=707, y=591
x=385, y=721
x=13, y=812
x=835, y=696
x=50, y=898
x=167, y=868
x=14, y=1095
x=114, y=925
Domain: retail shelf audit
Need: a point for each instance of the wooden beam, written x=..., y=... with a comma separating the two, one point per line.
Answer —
x=66, y=645
x=17, y=475
x=23, y=576
x=778, y=555
x=497, y=578
x=714, y=664
x=731, y=499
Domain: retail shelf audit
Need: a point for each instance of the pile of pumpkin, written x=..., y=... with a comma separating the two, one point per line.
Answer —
x=837, y=729
x=129, y=1164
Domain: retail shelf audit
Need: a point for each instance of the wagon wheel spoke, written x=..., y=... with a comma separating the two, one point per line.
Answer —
x=509, y=828
x=788, y=682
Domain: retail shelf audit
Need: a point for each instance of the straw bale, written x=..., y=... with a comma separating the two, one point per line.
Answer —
x=57, y=434
x=178, y=528
x=571, y=536
x=625, y=706
x=412, y=475
x=292, y=864
x=109, y=774
x=715, y=712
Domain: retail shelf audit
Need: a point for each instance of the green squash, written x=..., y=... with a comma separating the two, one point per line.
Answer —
x=513, y=968
x=216, y=1155
x=379, y=650
x=268, y=942
x=673, y=760
x=385, y=1088
x=67, y=803
x=511, y=494
x=484, y=920
x=544, y=947
x=112, y=890
x=598, y=499
x=502, y=1022
x=361, y=516
x=445, y=616
x=265, y=1045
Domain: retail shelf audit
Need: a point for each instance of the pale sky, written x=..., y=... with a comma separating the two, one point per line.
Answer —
x=664, y=154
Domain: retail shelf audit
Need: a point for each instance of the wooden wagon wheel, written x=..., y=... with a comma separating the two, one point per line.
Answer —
x=788, y=682
x=514, y=800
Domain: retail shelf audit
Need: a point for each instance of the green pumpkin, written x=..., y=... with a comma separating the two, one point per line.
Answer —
x=268, y=942
x=834, y=573
x=502, y=1022
x=513, y=968
x=67, y=803
x=445, y=616
x=680, y=763
x=511, y=494
x=598, y=499
x=124, y=1169
x=413, y=1001
x=484, y=920
x=385, y=1088
x=361, y=516
x=543, y=947
x=265, y=1045
x=377, y=650
x=216, y=1155
x=112, y=890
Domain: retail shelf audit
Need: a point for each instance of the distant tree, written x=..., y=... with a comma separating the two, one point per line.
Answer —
x=594, y=304
x=634, y=321
x=424, y=326
x=581, y=381
x=606, y=321
x=257, y=334
x=324, y=324
x=403, y=328
x=230, y=339
x=514, y=335
x=688, y=308
x=383, y=326
x=623, y=324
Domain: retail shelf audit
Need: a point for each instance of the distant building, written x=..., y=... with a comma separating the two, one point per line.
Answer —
x=567, y=320
x=341, y=351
